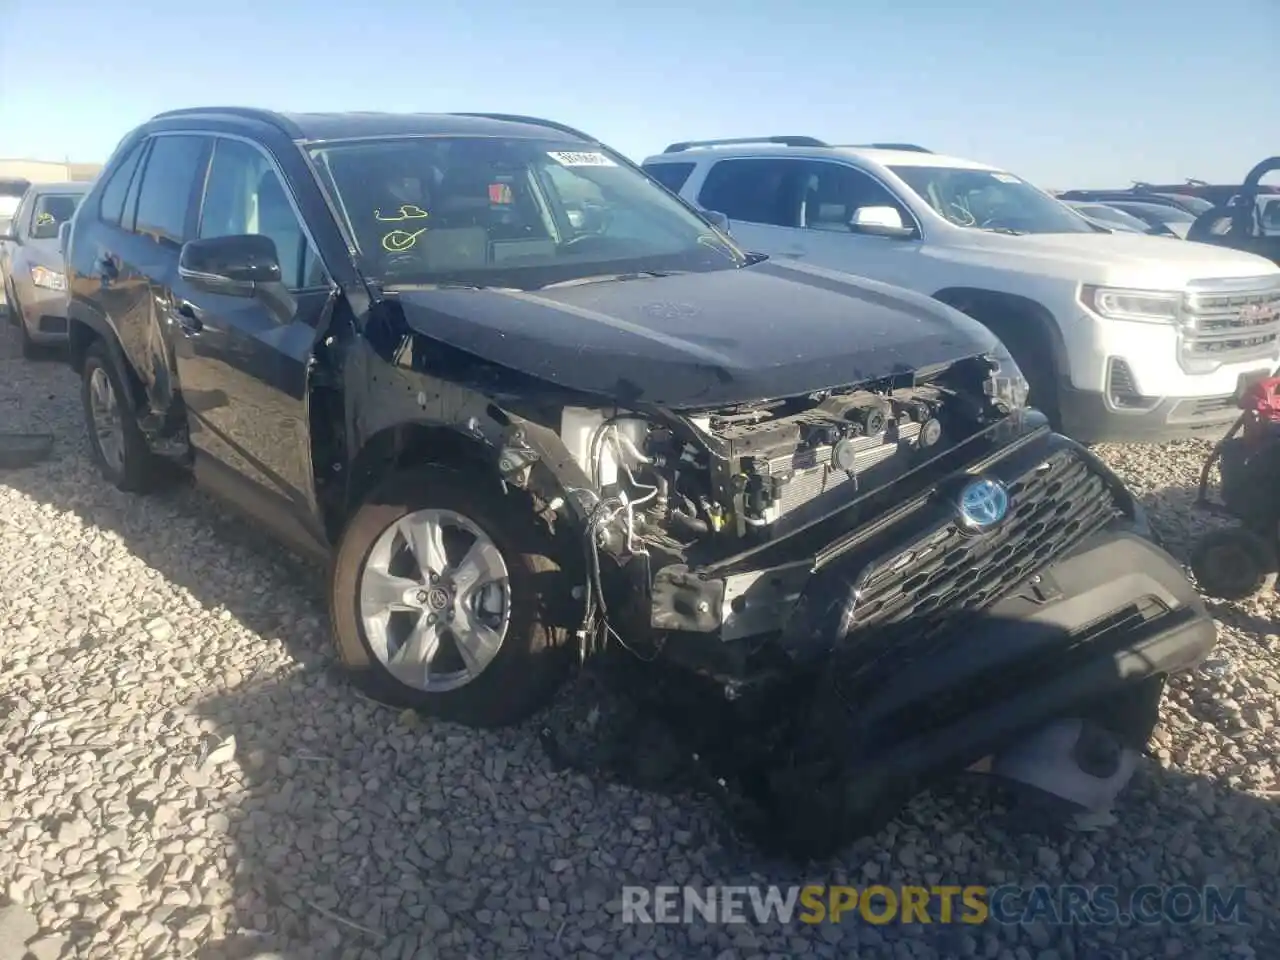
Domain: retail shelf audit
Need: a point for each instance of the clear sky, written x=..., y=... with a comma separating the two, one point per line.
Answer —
x=1075, y=93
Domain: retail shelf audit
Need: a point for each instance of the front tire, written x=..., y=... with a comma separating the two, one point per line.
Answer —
x=116, y=444
x=444, y=599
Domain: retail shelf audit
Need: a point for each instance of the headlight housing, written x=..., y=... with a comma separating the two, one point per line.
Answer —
x=48, y=279
x=1145, y=306
x=1005, y=385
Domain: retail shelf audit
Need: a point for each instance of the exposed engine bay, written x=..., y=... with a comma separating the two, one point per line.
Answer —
x=747, y=474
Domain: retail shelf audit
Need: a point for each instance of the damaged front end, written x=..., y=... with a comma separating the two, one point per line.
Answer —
x=835, y=597
x=846, y=625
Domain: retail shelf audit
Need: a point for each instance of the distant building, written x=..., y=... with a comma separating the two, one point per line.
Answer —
x=43, y=171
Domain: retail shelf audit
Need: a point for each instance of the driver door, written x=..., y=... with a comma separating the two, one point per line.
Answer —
x=243, y=363
x=833, y=193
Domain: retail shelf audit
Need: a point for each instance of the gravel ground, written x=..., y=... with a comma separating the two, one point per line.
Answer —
x=183, y=774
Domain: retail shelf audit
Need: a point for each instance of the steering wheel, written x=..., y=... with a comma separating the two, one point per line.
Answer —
x=393, y=262
x=583, y=238
x=961, y=215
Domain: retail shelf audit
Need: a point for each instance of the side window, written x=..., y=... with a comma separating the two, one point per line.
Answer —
x=670, y=175
x=833, y=193
x=244, y=195
x=760, y=190
x=51, y=211
x=172, y=169
x=117, y=186
x=129, y=215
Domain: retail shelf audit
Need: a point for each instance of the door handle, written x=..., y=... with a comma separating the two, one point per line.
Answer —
x=187, y=316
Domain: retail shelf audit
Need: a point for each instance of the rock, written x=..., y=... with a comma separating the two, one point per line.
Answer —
x=48, y=947
x=17, y=926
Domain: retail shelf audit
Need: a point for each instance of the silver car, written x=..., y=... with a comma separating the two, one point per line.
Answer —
x=35, y=286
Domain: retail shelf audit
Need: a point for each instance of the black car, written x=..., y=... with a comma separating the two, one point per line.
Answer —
x=528, y=403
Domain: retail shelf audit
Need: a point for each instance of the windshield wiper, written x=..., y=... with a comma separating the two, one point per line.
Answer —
x=1007, y=231
x=752, y=259
x=611, y=278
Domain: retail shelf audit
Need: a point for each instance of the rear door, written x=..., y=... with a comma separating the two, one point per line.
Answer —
x=140, y=258
x=243, y=362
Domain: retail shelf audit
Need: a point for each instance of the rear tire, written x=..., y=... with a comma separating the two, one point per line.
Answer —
x=117, y=446
x=401, y=650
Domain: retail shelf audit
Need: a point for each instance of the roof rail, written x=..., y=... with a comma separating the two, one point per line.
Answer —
x=785, y=141
x=244, y=113
x=535, y=121
x=906, y=147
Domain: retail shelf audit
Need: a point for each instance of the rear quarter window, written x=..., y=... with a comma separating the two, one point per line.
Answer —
x=116, y=186
x=670, y=175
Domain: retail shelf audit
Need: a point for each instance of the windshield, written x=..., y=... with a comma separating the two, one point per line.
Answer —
x=509, y=212
x=1111, y=217
x=990, y=200
x=52, y=210
x=1159, y=212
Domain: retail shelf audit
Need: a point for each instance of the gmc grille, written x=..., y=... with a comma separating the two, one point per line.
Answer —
x=1229, y=327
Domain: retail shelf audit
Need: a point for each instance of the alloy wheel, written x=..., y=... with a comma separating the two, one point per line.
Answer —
x=107, y=425
x=435, y=600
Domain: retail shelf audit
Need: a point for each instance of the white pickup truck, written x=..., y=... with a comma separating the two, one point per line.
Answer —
x=1122, y=337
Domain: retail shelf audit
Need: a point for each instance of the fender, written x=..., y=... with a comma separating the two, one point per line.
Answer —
x=396, y=416
x=986, y=306
x=86, y=323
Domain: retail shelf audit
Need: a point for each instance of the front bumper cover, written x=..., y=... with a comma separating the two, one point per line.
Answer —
x=1095, y=638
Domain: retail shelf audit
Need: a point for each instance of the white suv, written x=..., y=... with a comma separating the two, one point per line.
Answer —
x=1123, y=337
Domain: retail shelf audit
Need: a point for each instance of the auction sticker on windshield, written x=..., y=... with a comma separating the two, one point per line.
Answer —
x=571, y=159
x=1006, y=178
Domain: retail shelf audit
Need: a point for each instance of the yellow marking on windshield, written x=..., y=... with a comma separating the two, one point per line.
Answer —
x=407, y=212
x=400, y=240
x=44, y=218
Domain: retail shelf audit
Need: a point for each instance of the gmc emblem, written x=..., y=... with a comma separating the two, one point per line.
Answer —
x=1256, y=314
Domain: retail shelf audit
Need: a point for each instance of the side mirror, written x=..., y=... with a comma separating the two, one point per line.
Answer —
x=717, y=218
x=232, y=266
x=880, y=222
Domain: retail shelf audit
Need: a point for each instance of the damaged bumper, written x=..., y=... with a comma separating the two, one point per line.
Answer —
x=927, y=649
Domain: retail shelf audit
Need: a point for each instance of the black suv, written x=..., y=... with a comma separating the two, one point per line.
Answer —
x=528, y=403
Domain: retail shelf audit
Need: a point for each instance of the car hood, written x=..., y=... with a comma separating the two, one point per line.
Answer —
x=702, y=340
x=1122, y=259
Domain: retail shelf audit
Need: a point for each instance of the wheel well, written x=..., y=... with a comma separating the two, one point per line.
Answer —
x=409, y=445
x=80, y=336
x=1019, y=322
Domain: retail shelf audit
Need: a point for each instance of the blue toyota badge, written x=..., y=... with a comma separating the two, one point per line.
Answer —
x=983, y=504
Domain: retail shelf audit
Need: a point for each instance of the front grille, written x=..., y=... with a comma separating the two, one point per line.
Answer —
x=1232, y=326
x=906, y=599
x=1215, y=409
